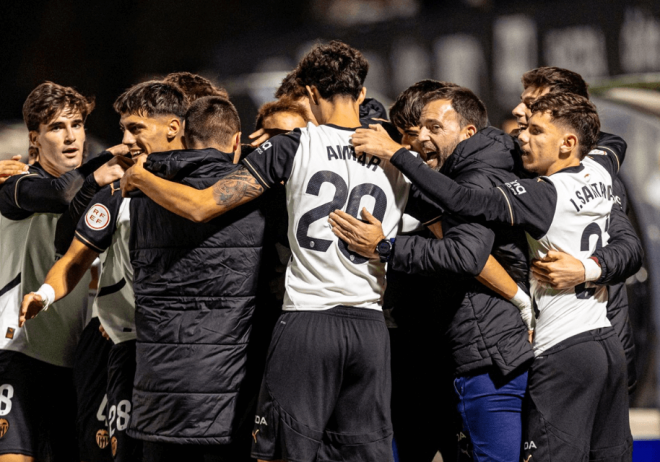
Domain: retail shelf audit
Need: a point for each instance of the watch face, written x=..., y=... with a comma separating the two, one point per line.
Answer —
x=384, y=247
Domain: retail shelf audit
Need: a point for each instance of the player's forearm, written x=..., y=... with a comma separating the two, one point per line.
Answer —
x=495, y=277
x=65, y=275
x=194, y=204
x=489, y=205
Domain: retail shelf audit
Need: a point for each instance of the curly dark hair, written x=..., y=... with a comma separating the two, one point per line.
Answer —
x=211, y=119
x=152, y=98
x=281, y=105
x=335, y=69
x=556, y=79
x=470, y=109
x=574, y=112
x=407, y=109
x=289, y=88
x=49, y=99
x=195, y=86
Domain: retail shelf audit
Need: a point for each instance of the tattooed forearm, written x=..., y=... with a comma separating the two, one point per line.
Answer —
x=236, y=188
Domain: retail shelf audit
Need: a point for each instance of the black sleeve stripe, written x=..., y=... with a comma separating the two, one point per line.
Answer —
x=16, y=188
x=254, y=172
x=88, y=244
x=509, y=204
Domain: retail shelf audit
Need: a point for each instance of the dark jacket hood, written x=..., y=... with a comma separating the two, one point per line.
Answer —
x=488, y=148
x=372, y=109
x=183, y=163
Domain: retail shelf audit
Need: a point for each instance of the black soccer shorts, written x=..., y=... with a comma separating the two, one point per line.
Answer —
x=326, y=391
x=37, y=408
x=121, y=373
x=577, y=403
x=90, y=372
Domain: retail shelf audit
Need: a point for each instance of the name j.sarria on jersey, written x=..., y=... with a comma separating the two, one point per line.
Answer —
x=590, y=192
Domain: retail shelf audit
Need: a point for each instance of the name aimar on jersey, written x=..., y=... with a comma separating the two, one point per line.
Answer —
x=591, y=192
x=348, y=153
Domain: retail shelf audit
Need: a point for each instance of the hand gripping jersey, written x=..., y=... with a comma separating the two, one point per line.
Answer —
x=322, y=173
x=567, y=211
x=106, y=226
x=26, y=254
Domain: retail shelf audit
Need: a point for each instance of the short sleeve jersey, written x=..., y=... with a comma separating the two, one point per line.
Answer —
x=578, y=226
x=322, y=173
x=27, y=253
x=105, y=227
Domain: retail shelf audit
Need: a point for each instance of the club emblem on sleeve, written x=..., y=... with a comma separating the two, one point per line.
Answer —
x=97, y=217
x=4, y=427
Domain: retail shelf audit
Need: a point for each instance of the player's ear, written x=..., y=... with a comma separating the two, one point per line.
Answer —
x=236, y=148
x=34, y=142
x=569, y=144
x=468, y=131
x=174, y=128
x=312, y=94
x=362, y=95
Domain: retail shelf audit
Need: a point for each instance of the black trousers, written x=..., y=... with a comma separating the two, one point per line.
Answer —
x=577, y=403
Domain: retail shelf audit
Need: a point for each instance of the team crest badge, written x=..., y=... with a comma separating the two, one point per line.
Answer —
x=102, y=438
x=98, y=217
x=4, y=427
x=10, y=332
x=113, y=444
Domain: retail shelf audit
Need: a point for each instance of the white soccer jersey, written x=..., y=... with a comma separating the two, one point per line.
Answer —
x=105, y=227
x=323, y=173
x=27, y=254
x=579, y=227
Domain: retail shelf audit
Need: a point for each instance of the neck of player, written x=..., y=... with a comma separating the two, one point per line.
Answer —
x=342, y=111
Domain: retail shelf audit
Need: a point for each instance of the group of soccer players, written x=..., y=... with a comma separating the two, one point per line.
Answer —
x=446, y=285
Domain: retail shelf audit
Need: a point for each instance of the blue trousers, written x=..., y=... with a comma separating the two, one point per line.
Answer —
x=490, y=408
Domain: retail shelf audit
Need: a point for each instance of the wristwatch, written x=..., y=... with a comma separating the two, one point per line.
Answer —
x=384, y=249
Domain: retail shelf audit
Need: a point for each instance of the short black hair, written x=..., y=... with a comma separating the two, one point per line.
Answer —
x=211, y=119
x=195, y=86
x=153, y=98
x=335, y=69
x=556, y=79
x=407, y=109
x=573, y=111
x=281, y=105
x=289, y=88
x=49, y=99
x=470, y=109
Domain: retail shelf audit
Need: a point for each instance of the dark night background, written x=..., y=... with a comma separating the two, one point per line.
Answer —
x=102, y=48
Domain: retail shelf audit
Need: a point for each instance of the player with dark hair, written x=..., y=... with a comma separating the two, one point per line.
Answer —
x=213, y=123
x=578, y=403
x=543, y=80
x=42, y=352
x=283, y=114
x=561, y=270
x=472, y=321
x=195, y=86
x=104, y=225
x=322, y=397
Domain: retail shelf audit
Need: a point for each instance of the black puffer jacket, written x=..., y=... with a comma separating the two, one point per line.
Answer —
x=195, y=287
x=480, y=328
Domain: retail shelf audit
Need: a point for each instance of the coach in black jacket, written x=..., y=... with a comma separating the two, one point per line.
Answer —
x=195, y=288
x=485, y=335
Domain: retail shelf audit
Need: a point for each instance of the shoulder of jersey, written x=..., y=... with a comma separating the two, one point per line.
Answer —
x=100, y=214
